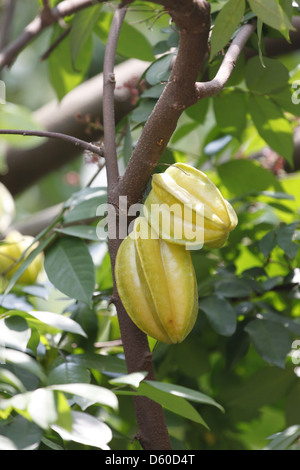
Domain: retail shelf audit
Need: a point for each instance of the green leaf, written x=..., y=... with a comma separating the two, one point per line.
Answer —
x=154, y=92
x=185, y=130
x=233, y=287
x=37, y=291
x=141, y=113
x=132, y=43
x=284, y=239
x=62, y=73
x=84, y=204
x=13, y=116
x=105, y=364
x=226, y=24
x=247, y=176
x=56, y=322
x=283, y=440
x=287, y=7
x=281, y=236
x=198, y=111
x=285, y=322
x=272, y=126
x=230, y=112
x=104, y=277
x=23, y=434
x=42, y=407
x=286, y=100
x=87, y=430
x=133, y=379
x=237, y=346
x=7, y=444
x=270, y=78
x=160, y=70
x=220, y=314
x=267, y=243
x=85, y=195
x=86, y=232
x=271, y=340
x=64, y=411
x=184, y=392
x=81, y=29
x=68, y=373
x=70, y=268
x=22, y=360
x=14, y=333
x=276, y=195
x=95, y=393
x=271, y=13
x=174, y=403
x=6, y=376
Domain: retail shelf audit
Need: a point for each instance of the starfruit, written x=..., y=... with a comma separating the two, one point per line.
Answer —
x=185, y=207
x=157, y=285
x=12, y=248
x=7, y=208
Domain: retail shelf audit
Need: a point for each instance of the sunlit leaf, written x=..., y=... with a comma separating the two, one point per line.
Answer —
x=70, y=268
x=86, y=429
x=272, y=126
x=226, y=23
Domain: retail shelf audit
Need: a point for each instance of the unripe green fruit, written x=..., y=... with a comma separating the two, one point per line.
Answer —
x=13, y=246
x=157, y=285
x=192, y=209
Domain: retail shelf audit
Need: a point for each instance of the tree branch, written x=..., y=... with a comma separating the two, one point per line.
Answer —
x=56, y=135
x=25, y=166
x=54, y=45
x=109, y=82
x=193, y=21
x=8, y=8
x=206, y=89
x=152, y=430
x=44, y=19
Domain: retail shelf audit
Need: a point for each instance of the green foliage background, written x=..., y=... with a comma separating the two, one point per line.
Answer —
x=232, y=383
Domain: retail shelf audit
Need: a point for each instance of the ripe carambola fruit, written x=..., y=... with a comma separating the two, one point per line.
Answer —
x=7, y=208
x=13, y=246
x=157, y=285
x=192, y=211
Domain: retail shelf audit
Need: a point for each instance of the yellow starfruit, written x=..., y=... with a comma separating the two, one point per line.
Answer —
x=7, y=208
x=185, y=207
x=157, y=285
x=12, y=248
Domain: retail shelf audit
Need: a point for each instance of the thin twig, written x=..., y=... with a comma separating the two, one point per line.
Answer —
x=108, y=344
x=55, y=135
x=8, y=9
x=55, y=44
x=100, y=168
x=109, y=82
x=153, y=433
x=43, y=20
x=206, y=89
